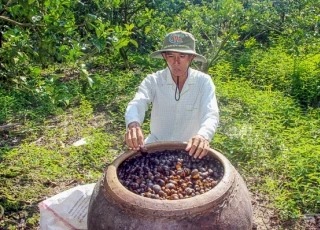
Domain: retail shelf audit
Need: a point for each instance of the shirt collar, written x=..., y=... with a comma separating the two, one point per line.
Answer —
x=190, y=79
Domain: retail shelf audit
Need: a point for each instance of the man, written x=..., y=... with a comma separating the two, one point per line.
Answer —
x=184, y=105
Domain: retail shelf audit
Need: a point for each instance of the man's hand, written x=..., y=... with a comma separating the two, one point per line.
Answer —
x=134, y=136
x=198, y=146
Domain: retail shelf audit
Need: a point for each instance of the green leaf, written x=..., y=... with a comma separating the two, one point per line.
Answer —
x=92, y=16
x=49, y=90
x=84, y=72
x=90, y=81
x=134, y=43
x=122, y=43
x=147, y=29
x=129, y=27
x=35, y=71
x=142, y=22
x=100, y=43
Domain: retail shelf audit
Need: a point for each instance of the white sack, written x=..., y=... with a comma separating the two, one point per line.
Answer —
x=66, y=210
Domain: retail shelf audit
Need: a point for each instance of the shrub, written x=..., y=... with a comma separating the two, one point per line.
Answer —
x=271, y=139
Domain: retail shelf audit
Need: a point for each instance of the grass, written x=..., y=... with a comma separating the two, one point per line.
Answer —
x=46, y=163
x=271, y=141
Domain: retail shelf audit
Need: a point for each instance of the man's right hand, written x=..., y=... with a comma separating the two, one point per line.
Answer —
x=134, y=136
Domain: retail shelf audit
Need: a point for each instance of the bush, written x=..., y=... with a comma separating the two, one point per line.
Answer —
x=277, y=69
x=271, y=139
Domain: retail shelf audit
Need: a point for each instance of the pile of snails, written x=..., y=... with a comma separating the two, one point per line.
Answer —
x=170, y=175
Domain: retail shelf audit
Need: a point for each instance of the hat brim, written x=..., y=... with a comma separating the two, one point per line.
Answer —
x=158, y=54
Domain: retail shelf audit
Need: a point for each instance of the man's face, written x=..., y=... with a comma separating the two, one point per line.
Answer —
x=178, y=62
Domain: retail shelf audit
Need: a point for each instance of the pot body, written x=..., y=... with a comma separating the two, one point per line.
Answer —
x=226, y=206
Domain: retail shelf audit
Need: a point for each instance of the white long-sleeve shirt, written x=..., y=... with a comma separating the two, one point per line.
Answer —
x=195, y=113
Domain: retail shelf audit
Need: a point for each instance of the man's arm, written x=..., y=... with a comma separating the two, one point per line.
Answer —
x=198, y=146
x=135, y=113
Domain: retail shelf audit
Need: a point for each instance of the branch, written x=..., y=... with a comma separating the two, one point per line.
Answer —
x=138, y=9
x=208, y=38
x=269, y=27
x=6, y=6
x=9, y=126
x=10, y=147
x=30, y=24
x=18, y=23
x=224, y=41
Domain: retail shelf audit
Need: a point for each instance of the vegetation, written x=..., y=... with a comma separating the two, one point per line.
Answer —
x=68, y=69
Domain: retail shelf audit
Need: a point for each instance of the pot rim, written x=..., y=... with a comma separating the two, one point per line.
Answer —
x=130, y=201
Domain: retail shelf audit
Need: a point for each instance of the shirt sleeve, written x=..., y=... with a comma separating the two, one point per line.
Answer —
x=209, y=111
x=139, y=105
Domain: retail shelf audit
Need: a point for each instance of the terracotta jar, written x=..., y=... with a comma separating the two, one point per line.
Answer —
x=227, y=206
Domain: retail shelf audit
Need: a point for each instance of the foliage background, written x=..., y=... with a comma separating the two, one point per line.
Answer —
x=68, y=69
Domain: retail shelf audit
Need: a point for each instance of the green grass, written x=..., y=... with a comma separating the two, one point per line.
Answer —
x=46, y=163
x=271, y=141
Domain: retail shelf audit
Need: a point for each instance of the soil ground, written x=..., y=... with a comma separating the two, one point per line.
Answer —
x=265, y=218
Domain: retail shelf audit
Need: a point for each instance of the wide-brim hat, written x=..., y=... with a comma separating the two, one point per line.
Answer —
x=181, y=42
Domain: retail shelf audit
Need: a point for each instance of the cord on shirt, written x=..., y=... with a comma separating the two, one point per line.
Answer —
x=177, y=89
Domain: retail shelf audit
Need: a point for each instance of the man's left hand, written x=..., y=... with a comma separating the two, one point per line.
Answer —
x=198, y=146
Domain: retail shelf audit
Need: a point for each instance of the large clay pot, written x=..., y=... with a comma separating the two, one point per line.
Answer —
x=227, y=206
